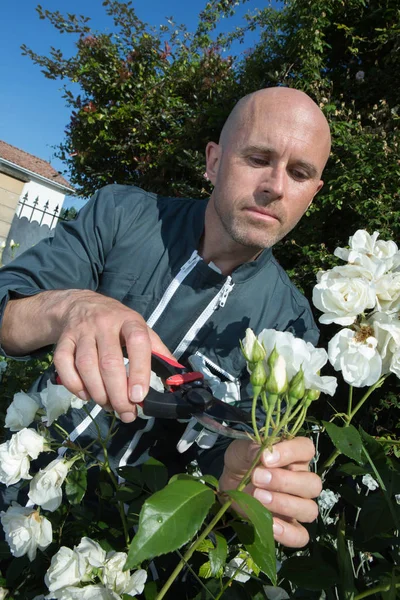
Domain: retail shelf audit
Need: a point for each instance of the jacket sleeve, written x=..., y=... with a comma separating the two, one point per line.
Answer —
x=72, y=259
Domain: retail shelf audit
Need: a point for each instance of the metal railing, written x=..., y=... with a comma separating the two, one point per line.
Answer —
x=34, y=208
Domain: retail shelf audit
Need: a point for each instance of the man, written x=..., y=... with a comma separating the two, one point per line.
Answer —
x=151, y=273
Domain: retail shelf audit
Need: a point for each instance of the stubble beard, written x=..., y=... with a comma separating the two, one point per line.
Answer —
x=242, y=230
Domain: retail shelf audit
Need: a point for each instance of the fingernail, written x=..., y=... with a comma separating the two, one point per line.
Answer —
x=137, y=393
x=263, y=496
x=277, y=528
x=83, y=395
x=271, y=457
x=263, y=477
x=127, y=417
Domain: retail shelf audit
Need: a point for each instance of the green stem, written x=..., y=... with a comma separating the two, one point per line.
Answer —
x=366, y=396
x=121, y=508
x=228, y=583
x=375, y=590
x=188, y=554
x=350, y=401
x=329, y=461
x=254, y=417
x=299, y=422
x=383, y=487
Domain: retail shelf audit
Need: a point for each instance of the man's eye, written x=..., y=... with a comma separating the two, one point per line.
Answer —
x=300, y=175
x=259, y=161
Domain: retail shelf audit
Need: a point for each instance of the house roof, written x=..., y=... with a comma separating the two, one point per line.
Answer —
x=24, y=160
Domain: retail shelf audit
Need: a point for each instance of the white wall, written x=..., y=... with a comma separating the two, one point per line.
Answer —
x=54, y=197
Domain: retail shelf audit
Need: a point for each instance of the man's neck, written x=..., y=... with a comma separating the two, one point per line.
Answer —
x=215, y=246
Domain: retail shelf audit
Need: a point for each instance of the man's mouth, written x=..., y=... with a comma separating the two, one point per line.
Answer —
x=262, y=213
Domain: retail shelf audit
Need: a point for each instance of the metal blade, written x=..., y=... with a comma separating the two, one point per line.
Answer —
x=216, y=427
x=226, y=412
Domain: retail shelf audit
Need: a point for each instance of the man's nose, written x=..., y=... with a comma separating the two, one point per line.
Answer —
x=274, y=182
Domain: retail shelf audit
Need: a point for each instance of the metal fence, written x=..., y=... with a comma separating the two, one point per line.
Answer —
x=29, y=211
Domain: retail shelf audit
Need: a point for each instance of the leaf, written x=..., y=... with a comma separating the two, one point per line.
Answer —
x=218, y=554
x=346, y=439
x=131, y=474
x=352, y=469
x=344, y=562
x=298, y=569
x=262, y=548
x=275, y=593
x=76, y=484
x=205, y=570
x=169, y=519
x=375, y=517
x=127, y=493
x=150, y=590
x=155, y=475
x=205, y=546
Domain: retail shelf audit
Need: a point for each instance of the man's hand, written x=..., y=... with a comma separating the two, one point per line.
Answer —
x=89, y=358
x=90, y=331
x=282, y=483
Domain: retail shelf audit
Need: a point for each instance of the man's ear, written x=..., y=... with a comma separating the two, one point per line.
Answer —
x=321, y=183
x=213, y=154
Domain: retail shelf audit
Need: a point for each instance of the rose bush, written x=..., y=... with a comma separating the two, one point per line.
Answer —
x=122, y=545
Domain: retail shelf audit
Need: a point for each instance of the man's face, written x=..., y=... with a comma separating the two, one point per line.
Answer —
x=266, y=174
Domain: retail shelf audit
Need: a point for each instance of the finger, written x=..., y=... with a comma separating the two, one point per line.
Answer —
x=290, y=533
x=113, y=374
x=138, y=347
x=64, y=362
x=293, y=507
x=238, y=458
x=298, y=483
x=87, y=365
x=158, y=346
x=294, y=454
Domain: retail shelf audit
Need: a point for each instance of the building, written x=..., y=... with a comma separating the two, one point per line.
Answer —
x=31, y=190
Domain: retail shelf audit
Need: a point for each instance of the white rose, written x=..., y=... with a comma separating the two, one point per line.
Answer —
x=343, y=293
x=57, y=401
x=45, y=488
x=28, y=442
x=21, y=412
x=386, y=329
x=231, y=569
x=67, y=568
x=15, y=454
x=356, y=355
x=363, y=245
x=113, y=576
x=251, y=347
x=136, y=583
x=3, y=593
x=26, y=530
x=388, y=292
x=89, y=592
x=13, y=467
x=395, y=363
x=298, y=353
x=92, y=551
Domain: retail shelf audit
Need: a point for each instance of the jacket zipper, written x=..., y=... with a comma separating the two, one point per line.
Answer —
x=218, y=301
x=171, y=289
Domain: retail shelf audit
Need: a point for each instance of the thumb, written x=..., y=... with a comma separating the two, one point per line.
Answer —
x=239, y=457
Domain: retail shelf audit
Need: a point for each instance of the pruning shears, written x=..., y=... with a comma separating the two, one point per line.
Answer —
x=186, y=395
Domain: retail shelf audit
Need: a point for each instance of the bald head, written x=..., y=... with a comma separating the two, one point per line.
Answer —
x=277, y=102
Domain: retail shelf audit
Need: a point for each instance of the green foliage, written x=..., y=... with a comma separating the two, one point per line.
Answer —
x=260, y=546
x=166, y=522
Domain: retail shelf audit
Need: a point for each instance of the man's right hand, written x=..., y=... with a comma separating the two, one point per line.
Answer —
x=89, y=330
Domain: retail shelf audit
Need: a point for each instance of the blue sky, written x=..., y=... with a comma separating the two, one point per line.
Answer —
x=33, y=114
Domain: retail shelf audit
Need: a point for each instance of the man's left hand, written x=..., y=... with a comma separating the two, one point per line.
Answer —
x=282, y=483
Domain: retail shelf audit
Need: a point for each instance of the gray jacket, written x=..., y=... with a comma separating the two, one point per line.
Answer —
x=140, y=249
